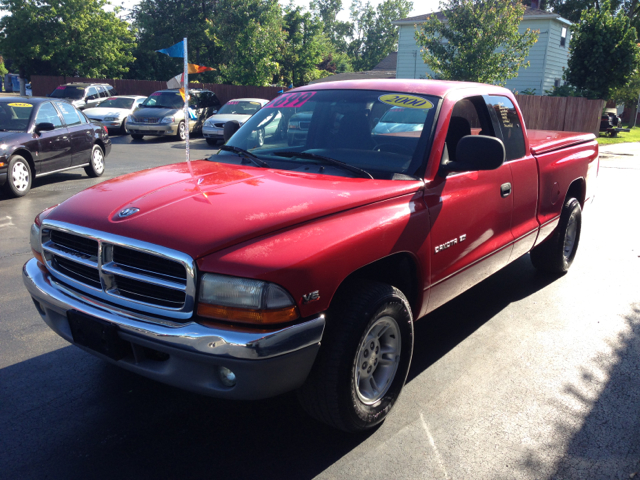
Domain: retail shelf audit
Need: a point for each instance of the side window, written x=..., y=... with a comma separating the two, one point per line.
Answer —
x=111, y=91
x=48, y=114
x=469, y=117
x=563, y=37
x=102, y=92
x=508, y=123
x=92, y=93
x=69, y=113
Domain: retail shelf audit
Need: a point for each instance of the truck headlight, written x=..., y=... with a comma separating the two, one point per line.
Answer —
x=168, y=120
x=131, y=118
x=244, y=300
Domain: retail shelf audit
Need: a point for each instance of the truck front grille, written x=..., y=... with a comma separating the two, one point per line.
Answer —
x=130, y=273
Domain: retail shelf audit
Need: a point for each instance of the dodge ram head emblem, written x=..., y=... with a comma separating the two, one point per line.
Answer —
x=128, y=211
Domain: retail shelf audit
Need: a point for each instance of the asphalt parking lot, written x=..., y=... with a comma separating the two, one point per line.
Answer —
x=524, y=376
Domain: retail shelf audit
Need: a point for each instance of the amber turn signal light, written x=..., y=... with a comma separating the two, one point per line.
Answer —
x=242, y=315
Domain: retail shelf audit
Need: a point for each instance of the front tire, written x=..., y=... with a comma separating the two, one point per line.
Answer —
x=556, y=254
x=212, y=141
x=96, y=165
x=123, y=127
x=137, y=136
x=364, y=358
x=19, y=177
x=182, y=134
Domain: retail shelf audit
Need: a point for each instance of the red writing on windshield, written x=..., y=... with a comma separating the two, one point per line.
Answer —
x=290, y=100
x=157, y=94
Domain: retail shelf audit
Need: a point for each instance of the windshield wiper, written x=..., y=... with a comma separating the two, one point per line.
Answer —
x=245, y=154
x=332, y=161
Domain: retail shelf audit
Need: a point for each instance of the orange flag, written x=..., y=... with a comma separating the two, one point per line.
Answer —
x=193, y=68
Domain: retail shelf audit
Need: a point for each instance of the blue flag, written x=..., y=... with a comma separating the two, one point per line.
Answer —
x=176, y=50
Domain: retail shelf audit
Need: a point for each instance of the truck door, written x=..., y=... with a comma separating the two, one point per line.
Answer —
x=470, y=213
x=524, y=172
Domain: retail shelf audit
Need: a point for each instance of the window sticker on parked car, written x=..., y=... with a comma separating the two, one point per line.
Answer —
x=232, y=102
x=290, y=100
x=155, y=94
x=407, y=101
x=27, y=105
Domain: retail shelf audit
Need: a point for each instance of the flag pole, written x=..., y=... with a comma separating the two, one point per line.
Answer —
x=185, y=78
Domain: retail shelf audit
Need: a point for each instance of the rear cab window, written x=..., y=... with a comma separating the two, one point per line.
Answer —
x=507, y=124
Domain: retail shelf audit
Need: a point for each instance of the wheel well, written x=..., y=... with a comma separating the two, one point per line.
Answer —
x=399, y=270
x=577, y=190
x=27, y=156
x=100, y=143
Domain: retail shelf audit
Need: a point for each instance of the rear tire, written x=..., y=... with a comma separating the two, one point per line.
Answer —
x=364, y=358
x=137, y=136
x=556, y=253
x=18, y=177
x=96, y=165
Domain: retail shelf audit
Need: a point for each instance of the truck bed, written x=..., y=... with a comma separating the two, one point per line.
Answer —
x=544, y=141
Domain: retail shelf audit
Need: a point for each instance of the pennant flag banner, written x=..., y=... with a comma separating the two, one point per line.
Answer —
x=176, y=50
x=193, y=68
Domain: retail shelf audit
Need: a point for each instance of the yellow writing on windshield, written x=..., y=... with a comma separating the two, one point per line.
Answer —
x=28, y=105
x=407, y=101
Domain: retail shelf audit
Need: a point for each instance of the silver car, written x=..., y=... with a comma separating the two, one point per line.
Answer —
x=113, y=111
x=239, y=109
x=162, y=113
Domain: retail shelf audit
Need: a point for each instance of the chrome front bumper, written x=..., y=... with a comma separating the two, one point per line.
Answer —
x=213, y=132
x=266, y=363
x=152, y=128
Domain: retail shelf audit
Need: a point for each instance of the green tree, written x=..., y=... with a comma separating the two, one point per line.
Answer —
x=65, y=37
x=374, y=35
x=162, y=23
x=247, y=36
x=479, y=41
x=336, y=30
x=603, y=52
x=303, y=49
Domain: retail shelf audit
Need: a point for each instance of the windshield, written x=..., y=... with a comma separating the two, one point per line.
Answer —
x=14, y=116
x=320, y=131
x=164, y=100
x=68, y=91
x=117, y=102
x=240, y=107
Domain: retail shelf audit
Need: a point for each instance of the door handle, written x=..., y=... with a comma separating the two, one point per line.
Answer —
x=505, y=189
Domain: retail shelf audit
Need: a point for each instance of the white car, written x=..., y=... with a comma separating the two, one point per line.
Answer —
x=113, y=111
x=239, y=109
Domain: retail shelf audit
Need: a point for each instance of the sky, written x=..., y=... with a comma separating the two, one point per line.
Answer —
x=420, y=7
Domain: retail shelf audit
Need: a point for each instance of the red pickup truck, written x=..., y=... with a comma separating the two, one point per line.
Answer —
x=279, y=265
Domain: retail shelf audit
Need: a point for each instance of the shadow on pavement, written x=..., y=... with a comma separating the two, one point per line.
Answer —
x=444, y=328
x=606, y=442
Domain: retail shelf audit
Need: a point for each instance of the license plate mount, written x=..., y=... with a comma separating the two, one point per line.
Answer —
x=98, y=335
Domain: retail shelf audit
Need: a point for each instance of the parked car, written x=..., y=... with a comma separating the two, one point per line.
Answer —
x=113, y=111
x=298, y=127
x=162, y=113
x=239, y=109
x=84, y=95
x=272, y=268
x=41, y=136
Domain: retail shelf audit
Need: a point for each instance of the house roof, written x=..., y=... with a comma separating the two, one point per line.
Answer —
x=528, y=13
x=388, y=63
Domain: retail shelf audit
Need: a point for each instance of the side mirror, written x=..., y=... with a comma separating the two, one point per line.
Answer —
x=229, y=129
x=476, y=152
x=44, y=127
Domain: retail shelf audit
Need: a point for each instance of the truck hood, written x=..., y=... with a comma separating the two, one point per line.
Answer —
x=201, y=207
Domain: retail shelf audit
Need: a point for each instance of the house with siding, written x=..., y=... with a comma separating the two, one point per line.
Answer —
x=548, y=57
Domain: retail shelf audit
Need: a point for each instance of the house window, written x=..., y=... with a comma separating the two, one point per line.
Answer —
x=563, y=37
x=556, y=83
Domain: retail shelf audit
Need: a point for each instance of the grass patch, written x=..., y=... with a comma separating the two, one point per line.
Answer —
x=623, y=137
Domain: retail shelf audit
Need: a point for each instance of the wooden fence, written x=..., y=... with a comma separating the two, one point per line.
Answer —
x=569, y=114
x=43, y=85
